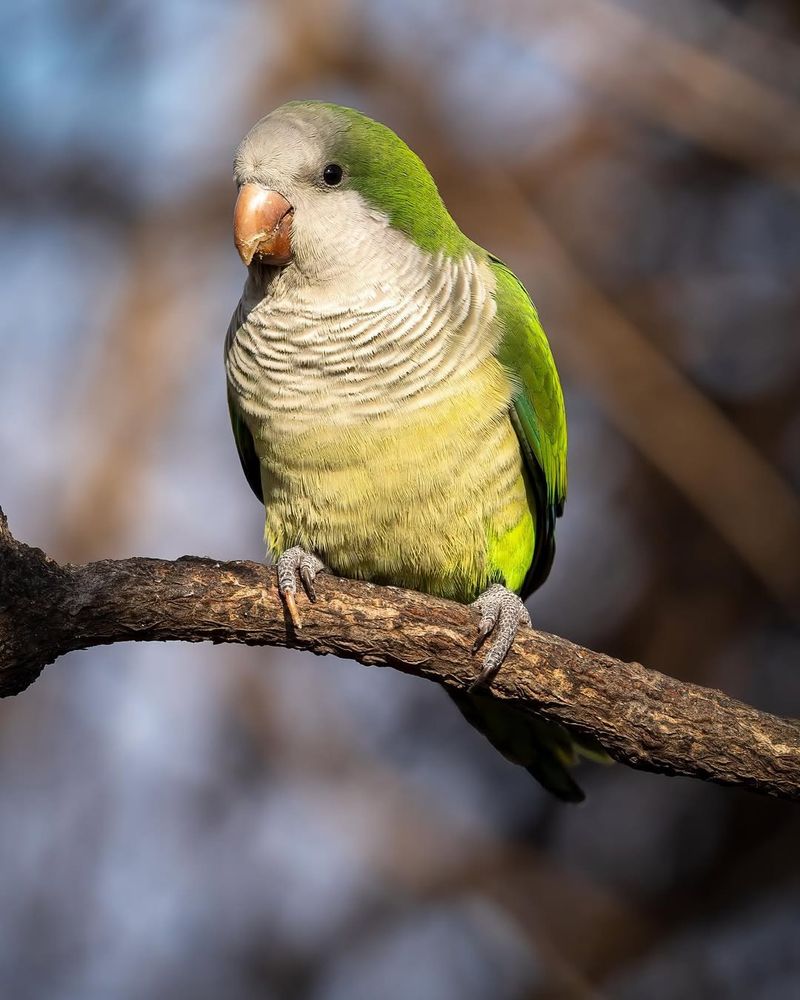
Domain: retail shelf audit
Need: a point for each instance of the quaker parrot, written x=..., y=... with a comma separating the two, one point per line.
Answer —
x=393, y=397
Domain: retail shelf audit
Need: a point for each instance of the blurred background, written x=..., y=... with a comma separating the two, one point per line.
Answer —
x=187, y=821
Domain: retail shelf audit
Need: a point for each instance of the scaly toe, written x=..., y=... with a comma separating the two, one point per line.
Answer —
x=309, y=567
x=502, y=612
x=293, y=562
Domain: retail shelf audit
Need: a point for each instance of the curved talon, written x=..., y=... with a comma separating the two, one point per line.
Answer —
x=291, y=607
x=485, y=627
x=491, y=664
x=308, y=582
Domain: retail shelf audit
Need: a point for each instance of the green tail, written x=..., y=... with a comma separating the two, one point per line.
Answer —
x=546, y=750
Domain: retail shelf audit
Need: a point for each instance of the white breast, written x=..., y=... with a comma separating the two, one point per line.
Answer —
x=394, y=336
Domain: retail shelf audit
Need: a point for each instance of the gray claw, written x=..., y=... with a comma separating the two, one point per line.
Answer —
x=485, y=627
x=307, y=576
x=502, y=613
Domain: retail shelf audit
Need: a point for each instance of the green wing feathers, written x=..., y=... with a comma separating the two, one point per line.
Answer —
x=546, y=749
x=538, y=415
x=246, y=448
x=245, y=445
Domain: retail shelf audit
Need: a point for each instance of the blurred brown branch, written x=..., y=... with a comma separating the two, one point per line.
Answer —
x=643, y=718
x=645, y=71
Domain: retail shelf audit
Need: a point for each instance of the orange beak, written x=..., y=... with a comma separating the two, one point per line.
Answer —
x=262, y=225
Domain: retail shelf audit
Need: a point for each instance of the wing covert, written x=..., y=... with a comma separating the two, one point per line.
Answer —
x=245, y=444
x=538, y=415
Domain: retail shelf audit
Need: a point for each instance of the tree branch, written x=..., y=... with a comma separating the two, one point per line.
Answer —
x=643, y=718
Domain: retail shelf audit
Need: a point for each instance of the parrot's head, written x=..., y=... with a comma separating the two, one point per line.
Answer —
x=322, y=187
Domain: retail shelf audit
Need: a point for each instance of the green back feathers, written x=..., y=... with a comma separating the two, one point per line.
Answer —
x=538, y=415
x=525, y=353
x=392, y=178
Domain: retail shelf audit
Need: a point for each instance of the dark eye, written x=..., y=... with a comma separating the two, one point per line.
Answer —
x=332, y=174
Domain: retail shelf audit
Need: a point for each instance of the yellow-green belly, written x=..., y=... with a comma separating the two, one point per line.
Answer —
x=435, y=501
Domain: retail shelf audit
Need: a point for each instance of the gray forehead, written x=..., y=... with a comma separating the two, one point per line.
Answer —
x=289, y=141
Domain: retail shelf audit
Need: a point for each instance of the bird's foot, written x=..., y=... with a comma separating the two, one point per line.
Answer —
x=502, y=613
x=293, y=563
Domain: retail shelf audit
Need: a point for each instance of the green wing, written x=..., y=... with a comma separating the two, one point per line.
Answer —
x=241, y=432
x=246, y=448
x=538, y=415
x=546, y=749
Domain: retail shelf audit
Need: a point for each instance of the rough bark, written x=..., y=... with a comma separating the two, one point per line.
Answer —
x=643, y=718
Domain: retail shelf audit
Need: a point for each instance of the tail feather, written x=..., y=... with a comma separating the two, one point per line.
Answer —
x=556, y=779
x=588, y=748
x=546, y=750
